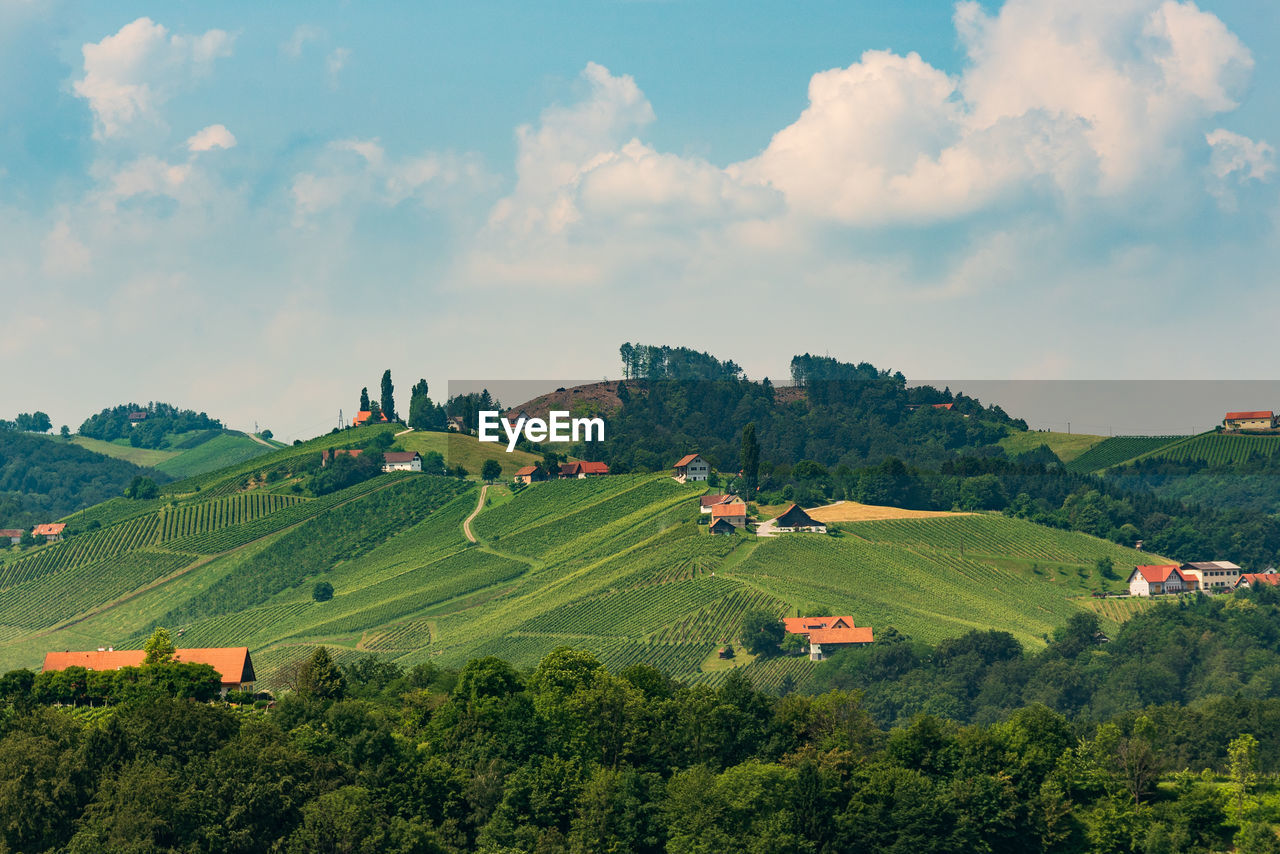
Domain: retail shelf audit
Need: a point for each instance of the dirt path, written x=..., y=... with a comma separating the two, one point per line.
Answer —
x=466, y=523
x=261, y=441
x=402, y=432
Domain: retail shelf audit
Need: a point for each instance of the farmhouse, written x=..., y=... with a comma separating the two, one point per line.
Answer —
x=828, y=634
x=722, y=526
x=14, y=535
x=456, y=424
x=794, y=519
x=1156, y=580
x=706, y=502
x=530, y=474
x=401, y=461
x=1212, y=576
x=1249, y=579
x=51, y=531
x=692, y=467
x=365, y=416
x=136, y=418
x=569, y=471
x=1259, y=420
x=327, y=455
x=233, y=664
x=733, y=512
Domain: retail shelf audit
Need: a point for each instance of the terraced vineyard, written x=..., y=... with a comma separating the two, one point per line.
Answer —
x=1118, y=449
x=617, y=565
x=1219, y=448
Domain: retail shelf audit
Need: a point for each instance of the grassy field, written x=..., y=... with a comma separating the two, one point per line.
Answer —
x=852, y=511
x=1067, y=446
x=219, y=452
x=145, y=457
x=617, y=565
x=467, y=451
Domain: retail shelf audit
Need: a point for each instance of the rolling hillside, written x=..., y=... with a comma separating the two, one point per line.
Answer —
x=185, y=454
x=617, y=565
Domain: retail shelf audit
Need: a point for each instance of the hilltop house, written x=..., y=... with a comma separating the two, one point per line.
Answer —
x=828, y=634
x=1259, y=420
x=327, y=454
x=51, y=531
x=14, y=535
x=1249, y=579
x=1212, y=576
x=570, y=471
x=456, y=424
x=365, y=416
x=1157, y=580
x=233, y=664
x=692, y=467
x=136, y=418
x=733, y=512
x=530, y=474
x=794, y=519
x=401, y=461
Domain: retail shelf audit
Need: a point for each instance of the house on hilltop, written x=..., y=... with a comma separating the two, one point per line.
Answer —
x=401, y=461
x=51, y=531
x=233, y=664
x=456, y=424
x=692, y=467
x=365, y=416
x=1157, y=580
x=1257, y=420
x=136, y=418
x=828, y=634
x=794, y=519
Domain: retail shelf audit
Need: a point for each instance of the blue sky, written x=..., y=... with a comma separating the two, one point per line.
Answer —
x=255, y=208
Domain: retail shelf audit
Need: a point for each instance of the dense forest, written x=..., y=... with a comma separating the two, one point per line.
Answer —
x=1163, y=739
x=42, y=479
x=162, y=421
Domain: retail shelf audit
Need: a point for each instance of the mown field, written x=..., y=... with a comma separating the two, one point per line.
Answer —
x=185, y=454
x=616, y=565
x=1067, y=446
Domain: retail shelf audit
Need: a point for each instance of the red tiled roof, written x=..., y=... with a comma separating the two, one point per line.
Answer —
x=853, y=634
x=365, y=415
x=685, y=460
x=711, y=500
x=232, y=663
x=526, y=470
x=1158, y=574
x=804, y=625
x=11, y=532
x=400, y=456
x=1265, y=577
x=1242, y=416
x=593, y=468
x=730, y=509
x=50, y=529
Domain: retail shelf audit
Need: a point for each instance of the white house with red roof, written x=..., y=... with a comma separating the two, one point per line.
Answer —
x=828, y=634
x=13, y=535
x=401, y=461
x=1250, y=579
x=733, y=512
x=692, y=467
x=51, y=531
x=1157, y=580
x=570, y=471
x=1262, y=419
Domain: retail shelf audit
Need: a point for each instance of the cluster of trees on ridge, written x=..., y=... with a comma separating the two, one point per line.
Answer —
x=363, y=756
x=163, y=420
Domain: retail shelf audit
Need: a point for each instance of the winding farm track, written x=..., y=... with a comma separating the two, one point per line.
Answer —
x=466, y=523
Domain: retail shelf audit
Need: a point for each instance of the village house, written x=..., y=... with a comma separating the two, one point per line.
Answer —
x=51, y=531
x=365, y=416
x=401, y=461
x=706, y=502
x=733, y=512
x=530, y=474
x=1157, y=580
x=328, y=455
x=14, y=535
x=1249, y=579
x=794, y=519
x=136, y=418
x=692, y=467
x=233, y=664
x=722, y=526
x=456, y=424
x=1259, y=420
x=1212, y=576
x=828, y=634
x=570, y=471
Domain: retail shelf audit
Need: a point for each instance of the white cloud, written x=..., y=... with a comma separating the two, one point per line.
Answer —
x=214, y=136
x=336, y=61
x=64, y=254
x=146, y=176
x=129, y=75
x=302, y=34
x=1233, y=154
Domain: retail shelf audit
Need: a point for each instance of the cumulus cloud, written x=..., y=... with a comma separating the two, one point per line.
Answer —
x=1080, y=99
x=129, y=75
x=214, y=136
x=1236, y=155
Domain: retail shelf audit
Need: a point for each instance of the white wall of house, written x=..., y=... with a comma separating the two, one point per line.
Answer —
x=1138, y=585
x=415, y=465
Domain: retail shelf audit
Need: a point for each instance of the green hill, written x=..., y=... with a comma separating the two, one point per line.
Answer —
x=1067, y=446
x=1118, y=450
x=617, y=565
x=185, y=454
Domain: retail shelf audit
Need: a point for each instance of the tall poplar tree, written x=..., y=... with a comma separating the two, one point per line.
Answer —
x=388, y=401
x=750, y=458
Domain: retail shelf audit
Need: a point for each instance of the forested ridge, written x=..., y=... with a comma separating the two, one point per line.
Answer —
x=368, y=757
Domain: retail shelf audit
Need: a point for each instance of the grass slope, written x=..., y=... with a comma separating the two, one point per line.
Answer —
x=1067, y=446
x=456, y=448
x=219, y=452
x=616, y=565
x=1217, y=448
x=145, y=457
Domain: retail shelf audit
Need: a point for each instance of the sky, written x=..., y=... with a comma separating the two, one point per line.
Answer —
x=254, y=209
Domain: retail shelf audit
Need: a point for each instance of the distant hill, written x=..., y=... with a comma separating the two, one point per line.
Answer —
x=185, y=454
x=43, y=479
